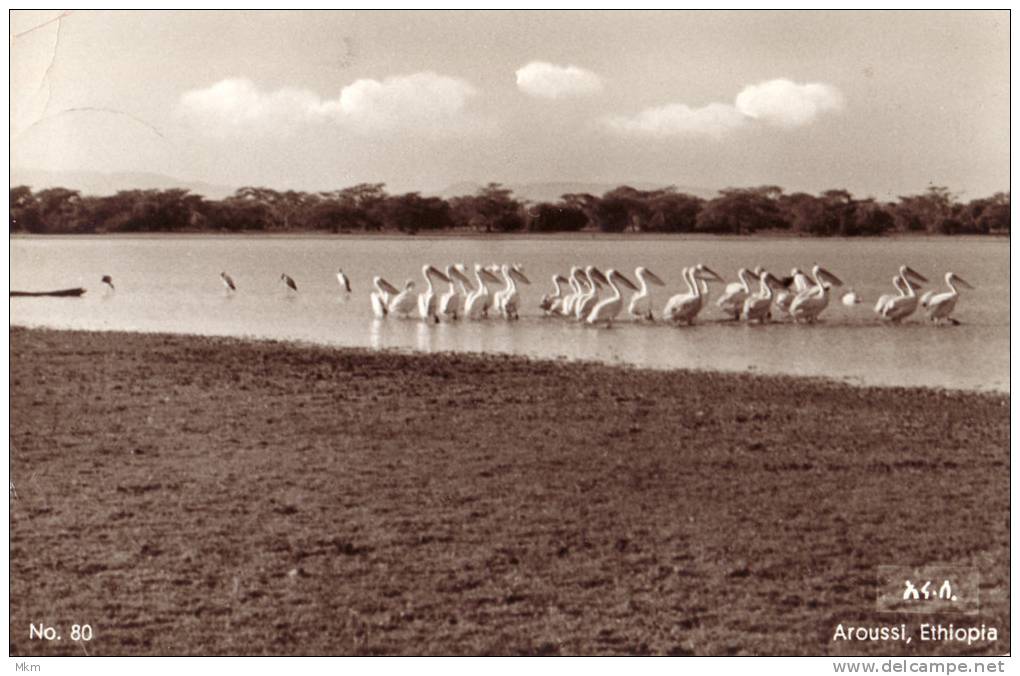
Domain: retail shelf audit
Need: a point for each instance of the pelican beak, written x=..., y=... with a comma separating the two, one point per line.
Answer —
x=654, y=277
x=597, y=275
x=831, y=278
x=519, y=276
x=433, y=270
x=626, y=282
x=487, y=275
x=456, y=272
x=715, y=275
x=918, y=277
x=389, y=288
x=962, y=282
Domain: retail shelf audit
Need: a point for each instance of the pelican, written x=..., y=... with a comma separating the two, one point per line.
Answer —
x=108, y=280
x=452, y=301
x=427, y=300
x=345, y=283
x=941, y=305
x=551, y=302
x=286, y=279
x=732, y=299
x=589, y=299
x=641, y=302
x=508, y=298
x=228, y=282
x=567, y=306
x=608, y=309
x=850, y=298
x=404, y=302
x=478, y=301
x=785, y=296
x=812, y=301
x=901, y=281
x=684, y=307
x=757, y=306
x=381, y=296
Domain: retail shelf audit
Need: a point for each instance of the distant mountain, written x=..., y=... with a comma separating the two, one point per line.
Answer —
x=97, y=183
x=551, y=191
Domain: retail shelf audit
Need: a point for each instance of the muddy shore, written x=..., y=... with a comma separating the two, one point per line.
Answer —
x=188, y=495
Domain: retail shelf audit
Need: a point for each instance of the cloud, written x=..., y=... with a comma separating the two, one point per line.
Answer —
x=549, y=81
x=425, y=103
x=778, y=103
x=676, y=119
x=787, y=104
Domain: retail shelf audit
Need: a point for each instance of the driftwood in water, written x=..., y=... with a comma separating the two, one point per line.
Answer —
x=73, y=293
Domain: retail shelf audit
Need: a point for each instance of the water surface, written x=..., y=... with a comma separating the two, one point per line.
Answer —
x=172, y=284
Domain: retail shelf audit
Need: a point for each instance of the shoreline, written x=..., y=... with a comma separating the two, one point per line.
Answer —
x=230, y=496
x=843, y=381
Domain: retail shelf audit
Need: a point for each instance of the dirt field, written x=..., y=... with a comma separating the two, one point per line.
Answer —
x=188, y=495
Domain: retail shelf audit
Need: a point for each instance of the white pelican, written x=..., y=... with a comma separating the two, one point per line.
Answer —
x=732, y=299
x=757, y=306
x=684, y=307
x=384, y=291
x=108, y=280
x=508, y=299
x=850, y=298
x=427, y=300
x=345, y=283
x=812, y=301
x=405, y=302
x=641, y=302
x=478, y=301
x=901, y=281
x=550, y=302
x=941, y=305
x=608, y=309
x=286, y=279
x=452, y=302
x=228, y=282
x=590, y=298
x=576, y=286
x=783, y=297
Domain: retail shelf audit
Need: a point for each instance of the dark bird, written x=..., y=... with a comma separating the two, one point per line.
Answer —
x=108, y=281
x=228, y=281
x=285, y=278
x=344, y=282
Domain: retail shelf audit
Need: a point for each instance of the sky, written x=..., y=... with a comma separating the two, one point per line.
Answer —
x=879, y=103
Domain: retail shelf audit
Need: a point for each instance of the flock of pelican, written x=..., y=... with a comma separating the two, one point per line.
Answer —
x=589, y=295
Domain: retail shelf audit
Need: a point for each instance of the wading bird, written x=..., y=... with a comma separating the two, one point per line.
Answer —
x=641, y=302
x=608, y=309
x=941, y=305
x=286, y=279
x=589, y=299
x=508, y=298
x=735, y=293
x=228, y=282
x=812, y=301
x=451, y=304
x=901, y=281
x=551, y=302
x=345, y=283
x=108, y=280
x=684, y=307
x=404, y=302
x=380, y=298
x=477, y=304
x=757, y=306
x=427, y=300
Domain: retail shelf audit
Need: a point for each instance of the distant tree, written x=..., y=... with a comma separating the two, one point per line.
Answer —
x=925, y=212
x=59, y=210
x=987, y=215
x=411, y=212
x=561, y=217
x=24, y=210
x=742, y=210
x=673, y=212
x=492, y=209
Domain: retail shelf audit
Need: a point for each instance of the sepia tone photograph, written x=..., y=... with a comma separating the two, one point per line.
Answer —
x=505, y=333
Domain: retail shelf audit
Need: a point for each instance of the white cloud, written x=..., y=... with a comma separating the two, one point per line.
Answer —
x=421, y=103
x=787, y=104
x=778, y=103
x=676, y=119
x=549, y=81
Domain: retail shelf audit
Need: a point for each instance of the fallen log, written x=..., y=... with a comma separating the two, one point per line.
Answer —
x=64, y=293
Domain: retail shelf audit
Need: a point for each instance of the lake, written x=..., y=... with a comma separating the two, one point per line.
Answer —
x=172, y=284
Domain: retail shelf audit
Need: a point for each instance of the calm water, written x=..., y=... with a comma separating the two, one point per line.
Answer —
x=171, y=284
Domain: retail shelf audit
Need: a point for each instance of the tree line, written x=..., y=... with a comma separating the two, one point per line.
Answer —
x=367, y=207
